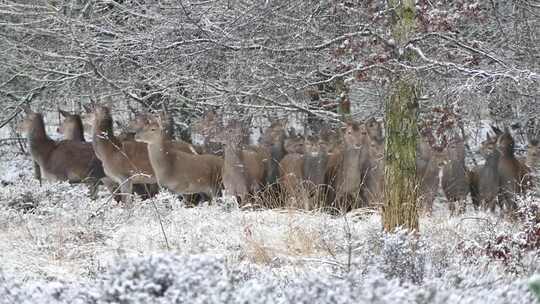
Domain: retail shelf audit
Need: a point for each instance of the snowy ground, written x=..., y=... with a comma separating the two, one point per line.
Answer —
x=70, y=249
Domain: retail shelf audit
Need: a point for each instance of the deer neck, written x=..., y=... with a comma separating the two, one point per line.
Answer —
x=41, y=146
x=315, y=167
x=103, y=140
x=75, y=134
x=161, y=156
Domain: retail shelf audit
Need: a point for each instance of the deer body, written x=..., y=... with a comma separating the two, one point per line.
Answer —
x=127, y=162
x=66, y=160
x=427, y=171
x=181, y=172
x=346, y=167
x=454, y=181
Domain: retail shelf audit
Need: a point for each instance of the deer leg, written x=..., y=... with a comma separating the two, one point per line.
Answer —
x=126, y=191
x=93, y=187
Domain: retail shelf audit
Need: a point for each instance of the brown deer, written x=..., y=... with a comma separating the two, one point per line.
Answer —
x=71, y=127
x=374, y=169
x=485, y=179
x=294, y=143
x=532, y=161
x=346, y=167
x=511, y=174
x=455, y=180
x=126, y=162
x=207, y=128
x=244, y=167
x=304, y=175
x=143, y=119
x=427, y=170
x=67, y=160
x=273, y=140
x=180, y=172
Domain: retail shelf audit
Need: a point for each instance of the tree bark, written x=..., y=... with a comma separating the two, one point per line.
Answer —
x=399, y=209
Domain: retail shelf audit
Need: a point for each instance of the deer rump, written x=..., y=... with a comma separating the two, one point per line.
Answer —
x=71, y=161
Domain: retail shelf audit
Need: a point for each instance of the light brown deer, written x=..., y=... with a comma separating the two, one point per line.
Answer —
x=304, y=175
x=207, y=128
x=245, y=167
x=67, y=160
x=532, y=161
x=374, y=169
x=72, y=128
x=294, y=143
x=127, y=162
x=346, y=167
x=180, y=172
x=273, y=140
x=143, y=119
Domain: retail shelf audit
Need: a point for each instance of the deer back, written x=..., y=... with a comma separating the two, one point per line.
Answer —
x=65, y=160
x=121, y=160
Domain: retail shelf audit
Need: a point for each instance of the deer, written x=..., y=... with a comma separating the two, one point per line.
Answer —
x=304, y=175
x=206, y=128
x=532, y=161
x=67, y=160
x=511, y=173
x=294, y=143
x=244, y=167
x=72, y=129
x=346, y=166
x=454, y=178
x=485, y=180
x=181, y=172
x=273, y=140
x=374, y=169
x=427, y=170
x=142, y=119
x=126, y=163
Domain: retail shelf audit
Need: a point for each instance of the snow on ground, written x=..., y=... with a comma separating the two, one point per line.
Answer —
x=70, y=249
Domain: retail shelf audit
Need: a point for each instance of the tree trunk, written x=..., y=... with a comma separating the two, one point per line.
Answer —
x=399, y=209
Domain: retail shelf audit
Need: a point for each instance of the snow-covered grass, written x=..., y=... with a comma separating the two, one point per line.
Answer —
x=58, y=246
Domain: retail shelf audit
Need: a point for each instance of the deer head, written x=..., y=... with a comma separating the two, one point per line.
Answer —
x=355, y=135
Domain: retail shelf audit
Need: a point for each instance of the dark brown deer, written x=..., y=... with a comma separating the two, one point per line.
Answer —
x=181, y=172
x=127, y=162
x=511, y=175
x=244, y=167
x=67, y=160
x=345, y=167
x=455, y=181
x=427, y=171
x=485, y=179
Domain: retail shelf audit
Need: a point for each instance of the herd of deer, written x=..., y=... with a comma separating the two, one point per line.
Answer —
x=339, y=170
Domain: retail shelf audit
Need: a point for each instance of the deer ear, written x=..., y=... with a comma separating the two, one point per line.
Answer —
x=496, y=130
x=88, y=109
x=26, y=109
x=63, y=113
